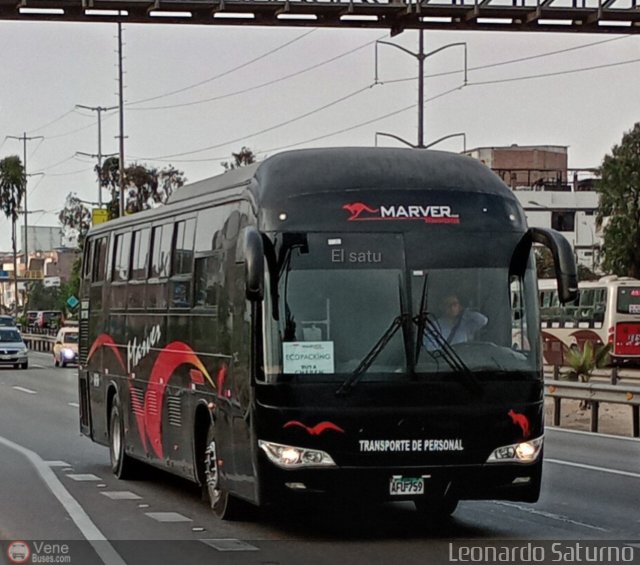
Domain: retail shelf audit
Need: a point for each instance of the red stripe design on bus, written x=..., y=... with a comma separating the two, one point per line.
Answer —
x=169, y=359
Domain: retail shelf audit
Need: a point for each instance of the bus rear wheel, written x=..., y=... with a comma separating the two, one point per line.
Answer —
x=122, y=465
x=223, y=504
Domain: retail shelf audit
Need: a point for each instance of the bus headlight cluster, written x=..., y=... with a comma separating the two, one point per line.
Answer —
x=525, y=452
x=290, y=457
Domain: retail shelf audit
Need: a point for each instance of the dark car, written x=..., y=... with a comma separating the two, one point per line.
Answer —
x=7, y=321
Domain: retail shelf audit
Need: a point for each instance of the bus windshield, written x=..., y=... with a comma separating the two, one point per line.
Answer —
x=487, y=317
x=347, y=301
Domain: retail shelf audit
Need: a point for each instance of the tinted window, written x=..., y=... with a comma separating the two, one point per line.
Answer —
x=99, y=259
x=161, y=253
x=629, y=300
x=9, y=336
x=122, y=257
x=140, y=254
x=209, y=222
x=183, y=250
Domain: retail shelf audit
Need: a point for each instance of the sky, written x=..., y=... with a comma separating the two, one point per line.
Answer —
x=195, y=94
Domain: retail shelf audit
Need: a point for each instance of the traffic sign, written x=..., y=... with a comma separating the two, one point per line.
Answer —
x=99, y=216
x=72, y=302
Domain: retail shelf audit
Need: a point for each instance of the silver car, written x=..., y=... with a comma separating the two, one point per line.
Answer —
x=13, y=350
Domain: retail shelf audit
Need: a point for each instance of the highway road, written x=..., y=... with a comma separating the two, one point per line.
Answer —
x=56, y=485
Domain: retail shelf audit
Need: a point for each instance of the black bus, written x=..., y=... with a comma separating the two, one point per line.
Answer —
x=277, y=331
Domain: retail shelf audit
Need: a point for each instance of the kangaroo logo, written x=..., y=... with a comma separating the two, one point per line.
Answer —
x=315, y=430
x=522, y=421
x=357, y=208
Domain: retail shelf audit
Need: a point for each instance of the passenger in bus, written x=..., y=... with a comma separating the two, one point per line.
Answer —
x=457, y=324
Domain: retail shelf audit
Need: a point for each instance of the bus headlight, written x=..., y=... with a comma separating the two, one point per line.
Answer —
x=525, y=452
x=290, y=457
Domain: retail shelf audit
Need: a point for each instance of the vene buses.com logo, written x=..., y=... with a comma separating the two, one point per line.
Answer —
x=18, y=552
x=361, y=212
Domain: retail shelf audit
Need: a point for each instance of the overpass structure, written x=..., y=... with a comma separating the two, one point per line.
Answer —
x=582, y=16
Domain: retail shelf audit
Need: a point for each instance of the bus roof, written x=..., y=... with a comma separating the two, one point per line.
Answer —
x=337, y=170
x=312, y=171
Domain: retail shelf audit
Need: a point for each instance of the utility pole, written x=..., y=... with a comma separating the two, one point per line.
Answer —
x=24, y=140
x=99, y=110
x=121, y=106
x=420, y=56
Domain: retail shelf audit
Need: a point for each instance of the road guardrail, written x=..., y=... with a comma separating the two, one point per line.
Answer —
x=595, y=393
x=39, y=342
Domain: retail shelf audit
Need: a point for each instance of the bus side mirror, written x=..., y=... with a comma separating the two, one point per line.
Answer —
x=253, y=264
x=563, y=261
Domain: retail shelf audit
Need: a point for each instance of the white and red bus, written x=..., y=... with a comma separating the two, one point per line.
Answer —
x=607, y=311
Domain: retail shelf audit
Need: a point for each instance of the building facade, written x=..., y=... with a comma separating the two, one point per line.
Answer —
x=552, y=195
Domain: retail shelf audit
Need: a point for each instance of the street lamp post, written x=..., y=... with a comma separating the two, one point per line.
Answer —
x=421, y=56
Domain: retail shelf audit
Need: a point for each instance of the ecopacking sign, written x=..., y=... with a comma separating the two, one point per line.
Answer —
x=430, y=214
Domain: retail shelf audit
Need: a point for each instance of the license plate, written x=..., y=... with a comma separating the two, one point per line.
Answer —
x=399, y=486
x=7, y=357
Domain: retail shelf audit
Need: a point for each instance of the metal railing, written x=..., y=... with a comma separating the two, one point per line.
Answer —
x=593, y=394
x=39, y=342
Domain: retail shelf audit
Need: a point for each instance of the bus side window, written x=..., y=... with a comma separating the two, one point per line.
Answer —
x=182, y=263
x=208, y=276
x=120, y=271
x=139, y=267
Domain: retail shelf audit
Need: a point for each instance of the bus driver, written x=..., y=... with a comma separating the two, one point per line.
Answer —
x=457, y=324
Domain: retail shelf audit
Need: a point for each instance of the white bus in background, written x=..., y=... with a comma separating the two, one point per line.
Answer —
x=607, y=311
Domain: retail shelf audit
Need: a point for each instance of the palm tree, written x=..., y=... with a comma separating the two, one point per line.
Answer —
x=13, y=182
x=582, y=363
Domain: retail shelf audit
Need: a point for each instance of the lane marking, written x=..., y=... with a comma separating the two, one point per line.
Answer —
x=57, y=464
x=549, y=515
x=168, y=517
x=27, y=390
x=80, y=518
x=593, y=468
x=83, y=477
x=74, y=404
x=591, y=434
x=121, y=495
x=230, y=544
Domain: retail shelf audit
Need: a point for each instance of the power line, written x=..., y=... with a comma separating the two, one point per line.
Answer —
x=52, y=121
x=556, y=73
x=331, y=134
x=265, y=130
x=223, y=74
x=511, y=61
x=261, y=85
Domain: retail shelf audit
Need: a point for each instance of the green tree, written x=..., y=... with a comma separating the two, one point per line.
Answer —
x=244, y=157
x=144, y=187
x=619, y=188
x=13, y=182
x=544, y=263
x=75, y=218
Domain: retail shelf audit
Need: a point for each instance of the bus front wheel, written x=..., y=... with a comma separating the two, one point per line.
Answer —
x=223, y=504
x=122, y=465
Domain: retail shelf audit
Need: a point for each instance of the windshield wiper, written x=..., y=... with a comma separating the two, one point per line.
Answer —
x=371, y=356
x=428, y=327
x=431, y=331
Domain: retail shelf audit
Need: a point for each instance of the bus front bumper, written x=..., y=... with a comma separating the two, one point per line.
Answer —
x=516, y=482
